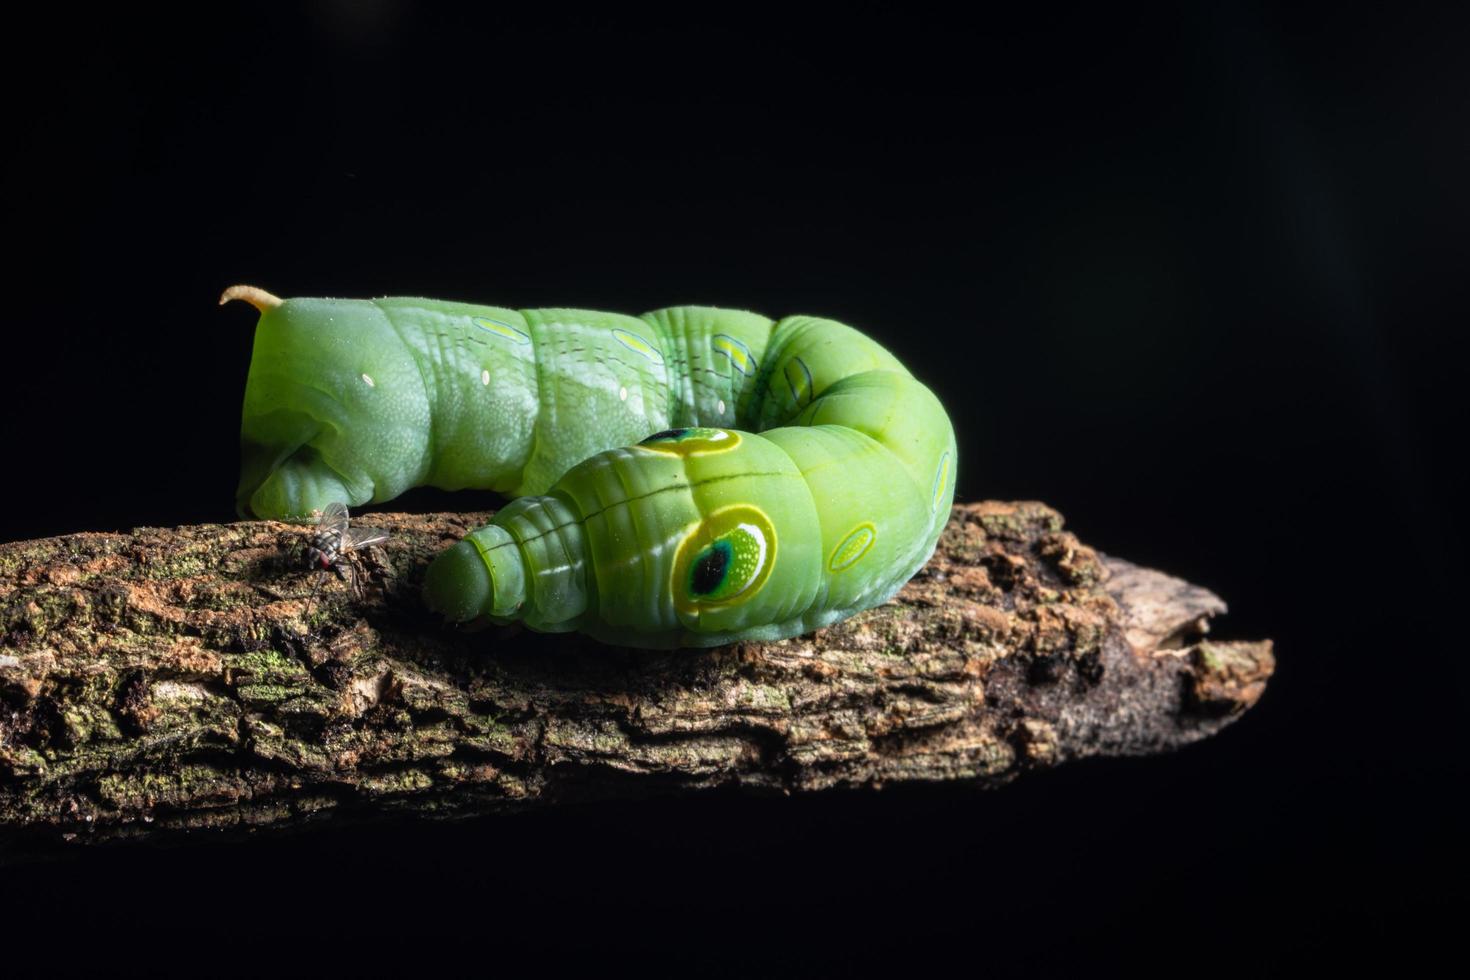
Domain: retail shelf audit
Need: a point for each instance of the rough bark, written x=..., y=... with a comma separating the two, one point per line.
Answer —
x=165, y=680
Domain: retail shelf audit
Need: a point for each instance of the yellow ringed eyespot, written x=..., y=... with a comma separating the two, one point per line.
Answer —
x=725, y=559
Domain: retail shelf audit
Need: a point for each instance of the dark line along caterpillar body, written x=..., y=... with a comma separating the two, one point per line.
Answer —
x=689, y=477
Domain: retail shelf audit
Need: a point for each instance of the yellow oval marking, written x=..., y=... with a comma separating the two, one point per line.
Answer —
x=799, y=377
x=737, y=352
x=852, y=547
x=500, y=329
x=941, y=481
x=637, y=344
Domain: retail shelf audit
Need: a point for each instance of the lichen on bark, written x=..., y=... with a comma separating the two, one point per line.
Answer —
x=199, y=677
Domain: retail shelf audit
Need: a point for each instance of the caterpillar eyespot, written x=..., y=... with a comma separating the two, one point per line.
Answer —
x=689, y=477
x=725, y=559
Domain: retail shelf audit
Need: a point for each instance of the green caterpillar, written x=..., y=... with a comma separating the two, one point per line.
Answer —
x=796, y=472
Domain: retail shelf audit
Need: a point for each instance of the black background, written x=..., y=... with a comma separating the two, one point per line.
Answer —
x=1193, y=277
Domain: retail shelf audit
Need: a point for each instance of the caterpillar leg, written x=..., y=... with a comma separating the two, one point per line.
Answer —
x=294, y=489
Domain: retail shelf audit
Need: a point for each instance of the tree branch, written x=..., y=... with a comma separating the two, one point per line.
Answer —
x=171, y=679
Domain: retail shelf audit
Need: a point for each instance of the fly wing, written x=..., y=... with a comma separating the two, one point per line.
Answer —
x=361, y=537
x=334, y=517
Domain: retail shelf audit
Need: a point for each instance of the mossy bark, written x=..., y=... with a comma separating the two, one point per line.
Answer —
x=198, y=677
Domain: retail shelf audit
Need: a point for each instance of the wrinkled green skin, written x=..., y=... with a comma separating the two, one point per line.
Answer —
x=691, y=538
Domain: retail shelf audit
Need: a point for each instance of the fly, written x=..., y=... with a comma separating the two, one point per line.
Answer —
x=334, y=541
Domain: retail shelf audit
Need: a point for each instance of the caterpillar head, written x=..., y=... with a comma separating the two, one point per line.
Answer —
x=481, y=576
x=335, y=408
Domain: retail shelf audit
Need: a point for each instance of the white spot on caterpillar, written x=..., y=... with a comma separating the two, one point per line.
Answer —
x=368, y=381
x=484, y=377
x=722, y=406
x=622, y=394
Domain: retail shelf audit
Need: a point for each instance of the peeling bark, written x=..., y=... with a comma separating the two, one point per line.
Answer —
x=166, y=680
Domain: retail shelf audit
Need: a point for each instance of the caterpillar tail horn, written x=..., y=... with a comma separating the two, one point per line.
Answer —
x=254, y=295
